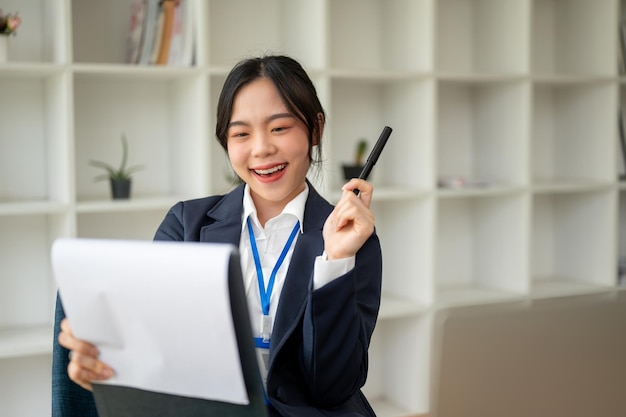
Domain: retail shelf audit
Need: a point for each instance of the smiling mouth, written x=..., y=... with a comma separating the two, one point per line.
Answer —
x=271, y=170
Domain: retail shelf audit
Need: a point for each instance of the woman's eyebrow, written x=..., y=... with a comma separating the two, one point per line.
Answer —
x=237, y=123
x=267, y=120
x=279, y=116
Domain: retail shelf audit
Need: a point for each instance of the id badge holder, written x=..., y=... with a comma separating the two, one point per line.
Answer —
x=263, y=352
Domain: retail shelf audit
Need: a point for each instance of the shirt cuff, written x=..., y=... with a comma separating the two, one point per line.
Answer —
x=326, y=271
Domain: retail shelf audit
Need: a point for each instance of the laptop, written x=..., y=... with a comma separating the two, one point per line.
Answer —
x=115, y=257
x=559, y=357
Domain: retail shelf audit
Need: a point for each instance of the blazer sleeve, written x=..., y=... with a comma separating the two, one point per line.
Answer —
x=337, y=328
x=171, y=227
x=68, y=398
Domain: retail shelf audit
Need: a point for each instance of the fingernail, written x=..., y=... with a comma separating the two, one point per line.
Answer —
x=107, y=372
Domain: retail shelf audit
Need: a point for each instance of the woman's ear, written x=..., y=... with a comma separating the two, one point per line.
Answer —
x=321, y=121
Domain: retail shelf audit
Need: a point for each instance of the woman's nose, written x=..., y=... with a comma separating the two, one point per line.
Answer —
x=263, y=145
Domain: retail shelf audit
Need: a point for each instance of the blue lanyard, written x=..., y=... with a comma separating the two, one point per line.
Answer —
x=267, y=294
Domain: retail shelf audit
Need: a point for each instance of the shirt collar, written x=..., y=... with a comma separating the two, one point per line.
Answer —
x=295, y=207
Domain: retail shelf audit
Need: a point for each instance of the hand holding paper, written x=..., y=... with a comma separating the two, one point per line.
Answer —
x=128, y=297
x=84, y=365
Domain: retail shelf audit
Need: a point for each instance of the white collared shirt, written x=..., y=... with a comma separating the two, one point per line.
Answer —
x=270, y=241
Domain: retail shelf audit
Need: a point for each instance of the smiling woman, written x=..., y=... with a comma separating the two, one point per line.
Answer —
x=312, y=271
x=267, y=147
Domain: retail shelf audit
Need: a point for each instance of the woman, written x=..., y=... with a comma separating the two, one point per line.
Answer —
x=312, y=272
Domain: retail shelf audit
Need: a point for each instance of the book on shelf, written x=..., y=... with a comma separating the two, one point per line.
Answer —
x=175, y=37
x=136, y=31
x=168, y=9
x=158, y=36
x=181, y=47
x=152, y=10
x=161, y=33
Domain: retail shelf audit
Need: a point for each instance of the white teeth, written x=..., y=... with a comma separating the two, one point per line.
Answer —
x=271, y=170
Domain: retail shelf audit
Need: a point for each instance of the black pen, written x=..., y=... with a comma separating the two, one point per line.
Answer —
x=374, y=154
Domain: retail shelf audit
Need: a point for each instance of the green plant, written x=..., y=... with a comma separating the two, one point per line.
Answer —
x=359, y=155
x=121, y=173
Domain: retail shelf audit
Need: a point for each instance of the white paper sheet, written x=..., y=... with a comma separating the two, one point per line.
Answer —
x=158, y=311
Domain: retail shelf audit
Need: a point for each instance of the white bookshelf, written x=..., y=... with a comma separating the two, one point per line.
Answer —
x=522, y=94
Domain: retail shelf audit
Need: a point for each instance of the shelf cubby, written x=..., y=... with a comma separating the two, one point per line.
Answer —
x=412, y=219
x=27, y=284
x=571, y=232
x=264, y=28
x=164, y=136
x=40, y=37
x=385, y=31
x=360, y=109
x=483, y=132
x=99, y=31
x=32, y=138
x=482, y=36
x=573, y=131
x=573, y=38
x=392, y=392
x=481, y=245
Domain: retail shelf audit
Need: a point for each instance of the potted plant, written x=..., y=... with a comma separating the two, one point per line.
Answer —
x=353, y=170
x=119, y=178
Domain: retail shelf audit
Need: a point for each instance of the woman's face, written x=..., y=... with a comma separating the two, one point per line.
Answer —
x=268, y=146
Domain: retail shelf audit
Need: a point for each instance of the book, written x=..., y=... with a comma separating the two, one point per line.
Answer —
x=181, y=47
x=158, y=34
x=150, y=26
x=135, y=31
x=186, y=55
x=173, y=58
x=188, y=35
x=168, y=10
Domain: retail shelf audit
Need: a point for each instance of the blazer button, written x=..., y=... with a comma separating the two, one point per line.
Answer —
x=280, y=394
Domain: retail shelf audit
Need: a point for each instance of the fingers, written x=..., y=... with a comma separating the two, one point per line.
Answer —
x=84, y=366
x=84, y=369
x=67, y=340
x=365, y=189
x=352, y=211
x=352, y=207
x=351, y=222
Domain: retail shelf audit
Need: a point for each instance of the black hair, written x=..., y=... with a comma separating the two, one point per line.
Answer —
x=294, y=87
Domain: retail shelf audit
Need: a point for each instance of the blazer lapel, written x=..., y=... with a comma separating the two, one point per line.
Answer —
x=225, y=227
x=298, y=281
x=226, y=220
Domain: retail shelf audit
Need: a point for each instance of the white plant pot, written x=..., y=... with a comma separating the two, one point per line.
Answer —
x=4, y=48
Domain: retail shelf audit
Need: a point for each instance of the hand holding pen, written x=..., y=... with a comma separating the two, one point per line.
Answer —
x=351, y=223
x=374, y=154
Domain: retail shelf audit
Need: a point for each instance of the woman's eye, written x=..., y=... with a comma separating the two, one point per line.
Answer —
x=279, y=129
x=238, y=135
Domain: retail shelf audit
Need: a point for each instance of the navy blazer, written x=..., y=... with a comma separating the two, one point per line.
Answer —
x=318, y=351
